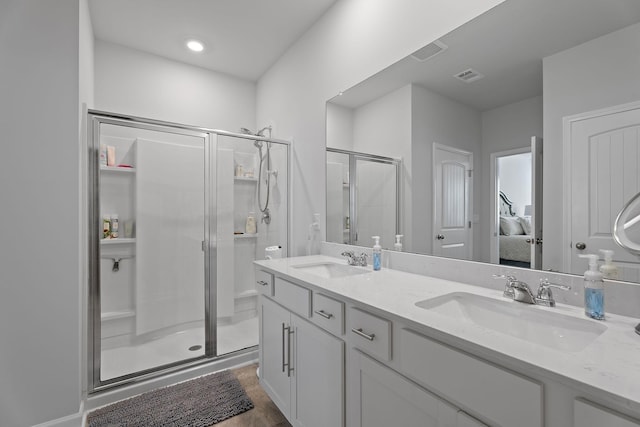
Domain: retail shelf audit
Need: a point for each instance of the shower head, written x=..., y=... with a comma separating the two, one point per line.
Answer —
x=261, y=131
x=246, y=131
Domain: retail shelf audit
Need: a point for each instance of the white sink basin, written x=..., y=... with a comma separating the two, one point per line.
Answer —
x=330, y=270
x=522, y=321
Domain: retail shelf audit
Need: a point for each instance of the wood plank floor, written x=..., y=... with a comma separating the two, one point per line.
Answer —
x=265, y=413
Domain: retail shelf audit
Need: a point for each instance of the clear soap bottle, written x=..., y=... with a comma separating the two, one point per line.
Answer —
x=593, y=289
x=377, y=253
x=609, y=270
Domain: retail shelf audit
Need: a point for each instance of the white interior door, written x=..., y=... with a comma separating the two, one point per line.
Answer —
x=452, y=202
x=604, y=154
x=536, y=203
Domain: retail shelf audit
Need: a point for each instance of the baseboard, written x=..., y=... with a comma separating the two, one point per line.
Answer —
x=73, y=420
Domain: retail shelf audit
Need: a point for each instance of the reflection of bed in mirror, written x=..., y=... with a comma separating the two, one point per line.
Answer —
x=515, y=235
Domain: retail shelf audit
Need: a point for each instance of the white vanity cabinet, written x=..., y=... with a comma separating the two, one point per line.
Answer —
x=301, y=365
x=402, y=372
x=381, y=397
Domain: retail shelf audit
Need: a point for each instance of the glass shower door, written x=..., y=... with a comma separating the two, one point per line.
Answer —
x=251, y=215
x=153, y=210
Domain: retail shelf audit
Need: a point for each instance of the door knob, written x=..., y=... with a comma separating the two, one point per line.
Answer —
x=440, y=237
x=581, y=246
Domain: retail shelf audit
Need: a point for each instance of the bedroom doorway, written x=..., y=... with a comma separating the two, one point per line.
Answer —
x=517, y=225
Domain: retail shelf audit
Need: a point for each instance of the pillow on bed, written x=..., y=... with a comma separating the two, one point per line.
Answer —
x=510, y=226
x=525, y=222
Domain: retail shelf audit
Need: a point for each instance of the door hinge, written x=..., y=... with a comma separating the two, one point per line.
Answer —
x=469, y=224
x=469, y=172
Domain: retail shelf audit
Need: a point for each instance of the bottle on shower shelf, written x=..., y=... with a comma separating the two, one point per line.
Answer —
x=251, y=227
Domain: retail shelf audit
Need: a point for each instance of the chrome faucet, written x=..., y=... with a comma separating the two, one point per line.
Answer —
x=516, y=289
x=357, y=260
x=521, y=292
x=545, y=296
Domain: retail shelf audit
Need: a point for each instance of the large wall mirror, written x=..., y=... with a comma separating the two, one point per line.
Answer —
x=519, y=134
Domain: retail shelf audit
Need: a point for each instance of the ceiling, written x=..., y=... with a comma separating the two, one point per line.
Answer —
x=506, y=45
x=242, y=38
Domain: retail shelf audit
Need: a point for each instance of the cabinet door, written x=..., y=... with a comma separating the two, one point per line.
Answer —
x=274, y=353
x=318, y=377
x=380, y=397
x=587, y=414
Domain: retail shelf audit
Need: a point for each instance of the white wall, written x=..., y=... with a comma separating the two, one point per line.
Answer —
x=436, y=119
x=594, y=75
x=132, y=82
x=339, y=127
x=352, y=41
x=40, y=255
x=504, y=128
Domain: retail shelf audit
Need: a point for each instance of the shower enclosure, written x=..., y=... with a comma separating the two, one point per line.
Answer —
x=363, y=198
x=171, y=277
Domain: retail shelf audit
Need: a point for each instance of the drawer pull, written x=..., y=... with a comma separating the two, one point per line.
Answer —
x=362, y=334
x=262, y=282
x=323, y=314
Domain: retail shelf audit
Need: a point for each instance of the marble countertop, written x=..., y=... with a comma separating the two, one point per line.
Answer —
x=609, y=364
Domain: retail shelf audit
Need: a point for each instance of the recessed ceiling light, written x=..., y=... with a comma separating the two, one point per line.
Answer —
x=195, y=45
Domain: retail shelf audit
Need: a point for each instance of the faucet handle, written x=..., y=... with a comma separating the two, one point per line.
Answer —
x=545, y=296
x=508, y=287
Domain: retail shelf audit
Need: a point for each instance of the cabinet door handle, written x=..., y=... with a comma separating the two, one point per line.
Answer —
x=284, y=365
x=324, y=314
x=362, y=334
x=289, y=367
x=262, y=282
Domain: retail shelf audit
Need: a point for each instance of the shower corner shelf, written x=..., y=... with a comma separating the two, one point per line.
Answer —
x=118, y=241
x=115, y=315
x=245, y=236
x=245, y=178
x=117, y=169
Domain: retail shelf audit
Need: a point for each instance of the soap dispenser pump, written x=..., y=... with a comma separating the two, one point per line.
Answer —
x=609, y=270
x=593, y=289
x=377, y=253
x=398, y=244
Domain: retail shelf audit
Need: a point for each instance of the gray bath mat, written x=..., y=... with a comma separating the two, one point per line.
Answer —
x=196, y=403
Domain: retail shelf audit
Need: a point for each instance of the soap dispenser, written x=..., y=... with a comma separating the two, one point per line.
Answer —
x=609, y=270
x=593, y=289
x=377, y=253
x=398, y=244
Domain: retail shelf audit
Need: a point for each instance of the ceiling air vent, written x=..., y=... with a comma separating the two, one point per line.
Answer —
x=469, y=75
x=429, y=51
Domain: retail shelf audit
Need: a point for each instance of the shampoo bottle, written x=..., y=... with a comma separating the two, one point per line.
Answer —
x=593, y=289
x=251, y=226
x=398, y=244
x=377, y=253
x=609, y=270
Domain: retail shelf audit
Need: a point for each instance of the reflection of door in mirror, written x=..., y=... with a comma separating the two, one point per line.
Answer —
x=604, y=155
x=452, y=181
x=514, y=202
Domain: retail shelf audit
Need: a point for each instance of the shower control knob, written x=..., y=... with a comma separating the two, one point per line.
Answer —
x=581, y=246
x=440, y=237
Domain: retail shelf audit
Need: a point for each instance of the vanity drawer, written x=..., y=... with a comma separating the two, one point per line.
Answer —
x=369, y=333
x=294, y=297
x=328, y=314
x=499, y=395
x=264, y=282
